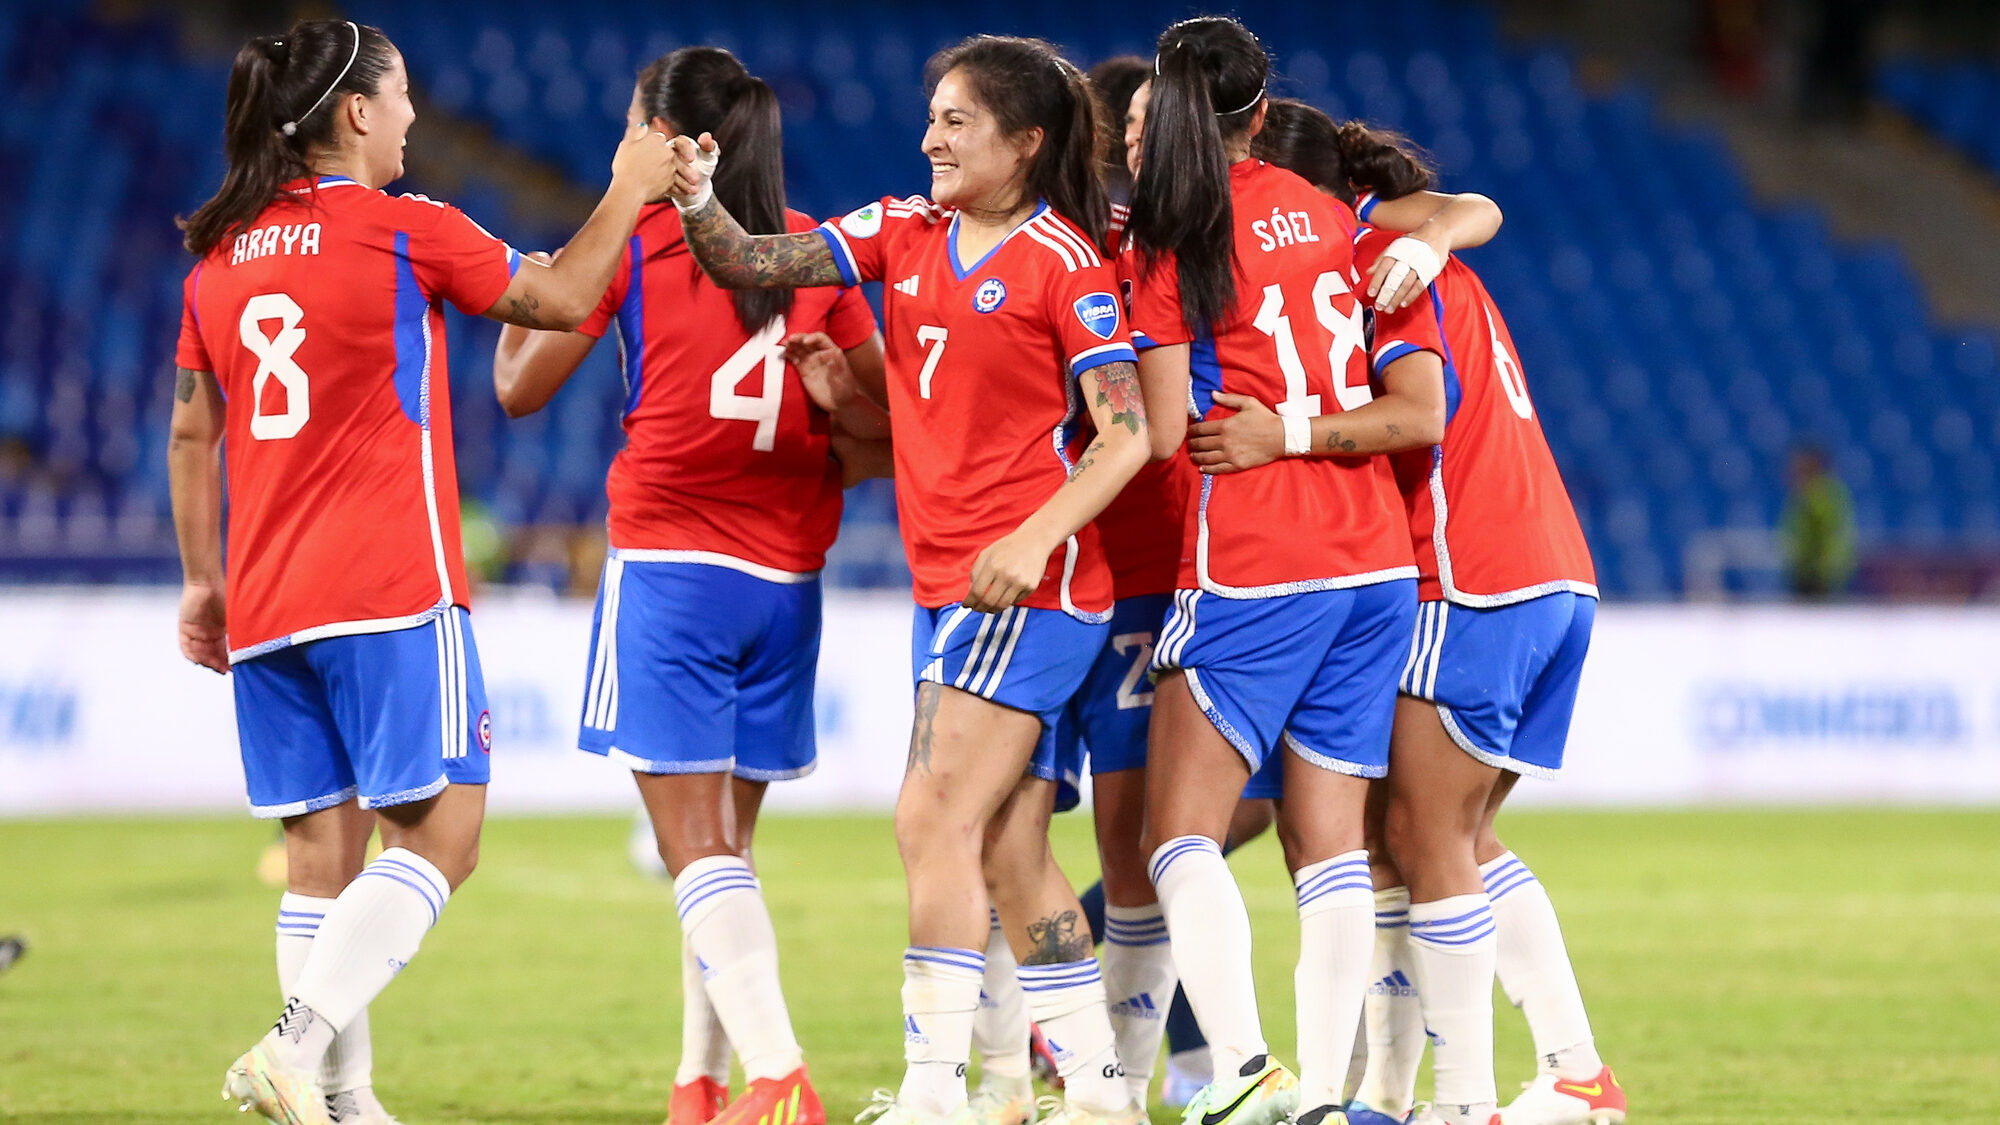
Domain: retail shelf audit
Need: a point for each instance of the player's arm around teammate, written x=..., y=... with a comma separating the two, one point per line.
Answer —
x=356, y=680
x=1002, y=314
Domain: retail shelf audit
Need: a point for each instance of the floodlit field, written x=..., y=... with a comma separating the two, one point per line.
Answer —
x=1747, y=966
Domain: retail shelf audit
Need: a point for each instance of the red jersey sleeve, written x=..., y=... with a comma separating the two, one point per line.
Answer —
x=1089, y=317
x=1156, y=301
x=1397, y=334
x=862, y=240
x=621, y=283
x=850, y=322
x=191, y=353
x=457, y=259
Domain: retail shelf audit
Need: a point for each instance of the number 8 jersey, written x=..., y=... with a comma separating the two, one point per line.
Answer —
x=324, y=325
x=1294, y=341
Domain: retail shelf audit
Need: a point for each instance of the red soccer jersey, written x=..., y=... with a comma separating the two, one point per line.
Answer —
x=1294, y=341
x=983, y=362
x=725, y=458
x=1489, y=518
x=324, y=326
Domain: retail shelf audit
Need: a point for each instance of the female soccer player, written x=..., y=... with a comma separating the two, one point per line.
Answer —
x=1285, y=626
x=1488, y=687
x=313, y=337
x=723, y=504
x=1002, y=320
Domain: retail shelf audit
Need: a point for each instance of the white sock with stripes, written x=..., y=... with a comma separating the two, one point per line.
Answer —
x=704, y=1045
x=1452, y=949
x=1209, y=930
x=1000, y=1026
x=350, y=1061
x=1067, y=1000
x=940, y=995
x=1535, y=971
x=723, y=916
x=369, y=933
x=1336, y=930
x=1139, y=980
x=1394, y=1020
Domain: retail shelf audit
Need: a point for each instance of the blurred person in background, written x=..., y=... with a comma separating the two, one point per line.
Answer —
x=1112, y=83
x=1816, y=530
x=312, y=336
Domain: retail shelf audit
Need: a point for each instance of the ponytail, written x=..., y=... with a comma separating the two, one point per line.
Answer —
x=1384, y=162
x=707, y=90
x=1182, y=204
x=1340, y=158
x=278, y=115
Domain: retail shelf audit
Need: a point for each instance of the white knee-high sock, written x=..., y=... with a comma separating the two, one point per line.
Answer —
x=704, y=1044
x=1209, y=929
x=369, y=933
x=1535, y=971
x=1139, y=980
x=940, y=995
x=724, y=918
x=1067, y=1000
x=1000, y=1027
x=1393, y=1018
x=1452, y=948
x=1336, y=938
x=346, y=1073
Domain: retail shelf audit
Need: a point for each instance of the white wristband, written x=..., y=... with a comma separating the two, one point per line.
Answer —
x=698, y=200
x=1298, y=435
x=704, y=162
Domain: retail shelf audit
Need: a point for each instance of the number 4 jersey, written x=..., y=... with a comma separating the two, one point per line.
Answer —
x=725, y=459
x=323, y=323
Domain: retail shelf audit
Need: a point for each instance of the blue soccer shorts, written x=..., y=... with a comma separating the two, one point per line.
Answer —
x=698, y=668
x=390, y=718
x=1313, y=671
x=1030, y=660
x=1504, y=679
x=1103, y=727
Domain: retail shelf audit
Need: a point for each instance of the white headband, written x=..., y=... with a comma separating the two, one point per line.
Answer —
x=1223, y=112
x=291, y=128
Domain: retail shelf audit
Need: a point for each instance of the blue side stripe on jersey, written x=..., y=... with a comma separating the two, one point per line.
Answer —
x=1453, y=389
x=632, y=331
x=1206, y=373
x=413, y=311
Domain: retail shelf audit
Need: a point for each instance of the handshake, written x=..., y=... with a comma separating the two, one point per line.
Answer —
x=678, y=168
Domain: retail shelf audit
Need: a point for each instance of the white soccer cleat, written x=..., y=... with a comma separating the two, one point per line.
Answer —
x=1550, y=1100
x=1264, y=1093
x=1059, y=1112
x=999, y=1102
x=884, y=1109
x=286, y=1097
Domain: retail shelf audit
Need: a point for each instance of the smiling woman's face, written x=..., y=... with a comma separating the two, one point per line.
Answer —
x=973, y=163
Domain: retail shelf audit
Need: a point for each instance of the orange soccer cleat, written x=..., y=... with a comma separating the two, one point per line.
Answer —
x=776, y=1101
x=1549, y=1100
x=697, y=1102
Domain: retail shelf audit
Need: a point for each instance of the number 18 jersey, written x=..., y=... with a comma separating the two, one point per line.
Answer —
x=324, y=325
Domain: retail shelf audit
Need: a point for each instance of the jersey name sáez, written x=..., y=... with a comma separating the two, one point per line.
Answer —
x=725, y=457
x=1294, y=340
x=983, y=362
x=324, y=325
x=1490, y=520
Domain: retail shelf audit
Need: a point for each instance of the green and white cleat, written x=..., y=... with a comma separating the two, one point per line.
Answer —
x=286, y=1097
x=1263, y=1093
x=1056, y=1112
x=884, y=1109
x=1000, y=1101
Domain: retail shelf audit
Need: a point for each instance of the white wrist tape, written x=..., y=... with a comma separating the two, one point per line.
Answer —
x=704, y=163
x=1412, y=255
x=1298, y=435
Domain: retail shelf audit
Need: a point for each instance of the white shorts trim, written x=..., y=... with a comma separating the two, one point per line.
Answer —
x=339, y=629
x=407, y=796
x=1328, y=762
x=300, y=808
x=1487, y=757
x=715, y=558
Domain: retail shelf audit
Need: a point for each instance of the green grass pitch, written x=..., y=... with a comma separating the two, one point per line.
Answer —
x=1752, y=966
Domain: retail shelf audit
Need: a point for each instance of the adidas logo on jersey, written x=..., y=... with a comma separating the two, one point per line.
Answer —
x=1395, y=984
x=908, y=286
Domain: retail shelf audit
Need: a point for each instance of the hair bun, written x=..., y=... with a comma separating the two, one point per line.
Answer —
x=277, y=49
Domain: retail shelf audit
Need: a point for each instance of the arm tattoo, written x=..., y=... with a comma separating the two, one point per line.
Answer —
x=525, y=311
x=1334, y=444
x=1118, y=388
x=184, y=384
x=920, y=731
x=1088, y=459
x=745, y=261
x=1057, y=941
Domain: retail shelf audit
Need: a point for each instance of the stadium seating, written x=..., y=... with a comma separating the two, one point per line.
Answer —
x=1679, y=337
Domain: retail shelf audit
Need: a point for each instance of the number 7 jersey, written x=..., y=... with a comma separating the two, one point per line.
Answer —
x=324, y=325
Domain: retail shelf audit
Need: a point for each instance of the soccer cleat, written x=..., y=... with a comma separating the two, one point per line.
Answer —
x=696, y=1102
x=287, y=1097
x=1000, y=1102
x=1262, y=1093
x=776, y=1101
x=1550, y=1100
x=1361, y=1113
x=1057, y=1112
x=349, y=1108
x=1043, y=1056
x=884, y=1109
x=1328, y=1114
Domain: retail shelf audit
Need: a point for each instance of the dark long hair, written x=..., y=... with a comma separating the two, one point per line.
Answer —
x=707, y=90
x=1029, y=85
x=1112, y=83
x=1210, y=80
x=292, y=79
x=1341, y=157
